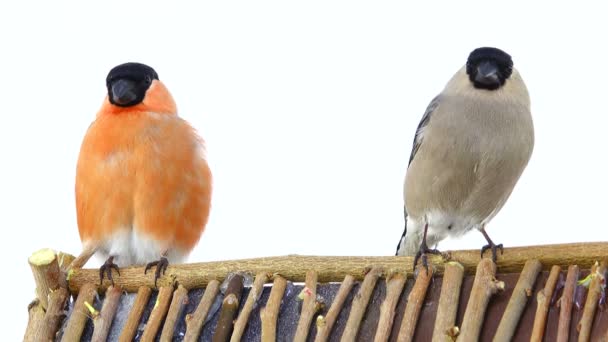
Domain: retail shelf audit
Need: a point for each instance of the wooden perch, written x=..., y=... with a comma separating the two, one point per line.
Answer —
x=359, y=305
x=414, y=303
x=309, y=307
x=80, y=313
x=158, y=313
x=270, y=312
x=178, y=304
x=325, y=324
x=195, y=321
x=35, y=321
x=485, y=286
x=103, y=321
x=254, y=295
x=519, y=298
x=593, y=297
x=544, y=301
x=130, y=328
x=230, y=307
x=565, y=311
x=47, y=275
x=394, y=287
x=447, y=309
x=330, y=268
x=55, y=314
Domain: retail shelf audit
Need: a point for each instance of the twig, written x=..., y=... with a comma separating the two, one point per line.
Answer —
x=230, y=307
x=35, y=321
x=519, y=298
x=325, y=324
x=158, y=313
x=484, y=286
x=47, y=274
x=178, y=303
x=394, y=286
x=64, y=260
x=359, y=305
x=103, y=321
x=254, y=295
x=593, y=296
x=80, y=313
x=544, y=301
x=270, y=312
x=308, y=307
x=82, y=258
x=332, y=269
x=565, y=312
x=414, y=304
x=54, y=315
x=130, y=328
x=195, y=321
x=445, y=321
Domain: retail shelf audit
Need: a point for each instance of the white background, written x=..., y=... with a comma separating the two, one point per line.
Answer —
x=308, y=111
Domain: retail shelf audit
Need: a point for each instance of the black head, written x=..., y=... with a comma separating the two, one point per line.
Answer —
x=489, y=68
x=127, y=83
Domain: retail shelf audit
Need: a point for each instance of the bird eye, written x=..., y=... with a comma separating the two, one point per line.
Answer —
x=148, y=80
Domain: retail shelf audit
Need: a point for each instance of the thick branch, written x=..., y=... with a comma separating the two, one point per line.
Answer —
x=103, y=321
x=158, y=313
x=130, y=328
x=325, y=324
x=195, y=321
x=565, y=312
x=414, y=304
x=445, y=321
x=394, y=286
x=593, y=296
x=47, y=274
x=35, y=321
x=270, y=312
x=544, y=301
x=359, y=305
x=80, y=313
x=178, y=304
x=331, y=268
x=230, y=307
x=308, y=307
x=484, y=286
x=252, y=299
x=518, y=301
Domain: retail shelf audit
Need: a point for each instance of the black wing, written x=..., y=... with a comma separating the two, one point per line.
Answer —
x=417, y=141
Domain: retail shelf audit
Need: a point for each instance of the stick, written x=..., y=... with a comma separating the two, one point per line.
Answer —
x=80, y=313
x=309, y=294
x=195, y=321
x=178, y=304
x=82, y=258
x=544, y=301
x=484, y=286
x=394, y=286
x=593, y=296
x=254, y=295
x=130, y=328
x=414, y=304
x=359, y=305
x=325, y=324
x=230, y=307
x=563, y=327
x=517, y=302
x=158, y=313
x=334, y=269
x=47, y=274
x=447, y=309
x=35, y=321
x=270, y=312
x=103, y=321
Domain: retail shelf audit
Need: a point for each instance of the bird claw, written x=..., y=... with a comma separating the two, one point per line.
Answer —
x=494, y=249
x=421, y=255
x=161, y=266
x=107, y=268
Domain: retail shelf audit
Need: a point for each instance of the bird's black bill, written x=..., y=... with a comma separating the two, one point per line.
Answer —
x=124, y=92
x=487, y=76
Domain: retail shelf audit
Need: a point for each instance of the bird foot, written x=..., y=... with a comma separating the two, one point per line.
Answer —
x=421, y=255
x=494, y=248
x=161, y=266
x=107, y=268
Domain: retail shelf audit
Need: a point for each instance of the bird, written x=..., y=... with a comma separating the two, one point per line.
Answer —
x=143, y=185
x=470, y=148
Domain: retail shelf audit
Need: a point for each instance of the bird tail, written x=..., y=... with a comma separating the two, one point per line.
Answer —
x=409, y=243
x=401, y=243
